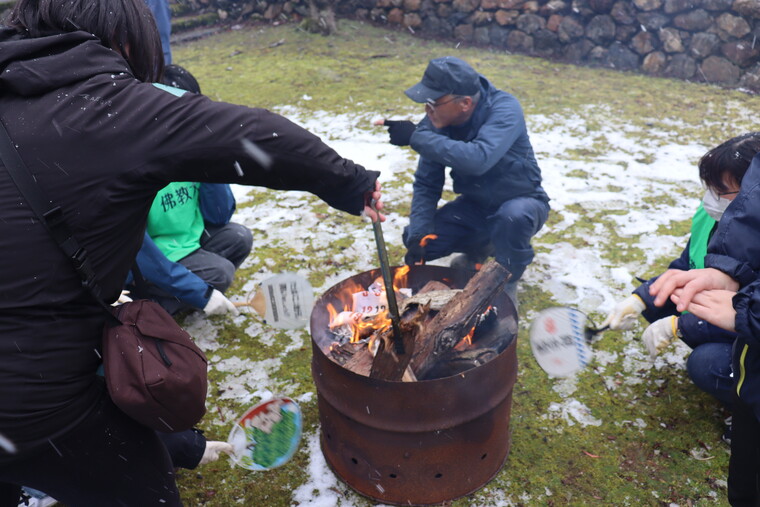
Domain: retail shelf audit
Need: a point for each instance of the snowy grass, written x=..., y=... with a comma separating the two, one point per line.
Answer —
x=618, y=154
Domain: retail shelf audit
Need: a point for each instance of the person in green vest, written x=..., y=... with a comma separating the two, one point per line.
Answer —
x=709, y=364
x=191, y=249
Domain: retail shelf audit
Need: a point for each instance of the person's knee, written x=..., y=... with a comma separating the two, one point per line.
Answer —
x=219, y=274
x=520, y=217
x=244, y=239
x=232, y=241
x=225, y=275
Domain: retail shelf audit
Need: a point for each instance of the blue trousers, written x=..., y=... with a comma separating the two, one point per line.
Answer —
x=463, y=225
x=709, y=367
x=162, y=14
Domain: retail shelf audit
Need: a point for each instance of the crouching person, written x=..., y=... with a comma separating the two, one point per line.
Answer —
x=722, y=171
x=191, y=250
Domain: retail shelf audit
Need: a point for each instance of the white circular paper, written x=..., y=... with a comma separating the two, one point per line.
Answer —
x=289, y=298
x=558, y=341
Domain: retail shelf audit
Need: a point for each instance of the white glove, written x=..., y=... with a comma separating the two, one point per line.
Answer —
x=213, y=450
x=123, y=298
x=625, y=313
x=218, y=305
x=660, y=334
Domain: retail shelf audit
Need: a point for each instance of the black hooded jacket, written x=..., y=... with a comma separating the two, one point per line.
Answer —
x=101, y=144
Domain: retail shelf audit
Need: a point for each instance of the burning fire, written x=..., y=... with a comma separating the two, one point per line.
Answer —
x=362, y=314
x=364, y=311
x=466, y=342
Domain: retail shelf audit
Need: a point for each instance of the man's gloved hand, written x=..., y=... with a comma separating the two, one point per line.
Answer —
x=625, y=313
x=660, y=334
x=214, y=449
x=400, y=131
x=218, y=304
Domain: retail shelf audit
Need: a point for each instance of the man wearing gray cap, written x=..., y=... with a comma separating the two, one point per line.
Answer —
x=479, y=132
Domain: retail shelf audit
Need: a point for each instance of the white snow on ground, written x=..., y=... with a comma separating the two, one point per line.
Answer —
x=617, y=186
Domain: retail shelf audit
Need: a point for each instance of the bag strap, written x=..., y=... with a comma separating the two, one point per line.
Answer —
x=51, y=217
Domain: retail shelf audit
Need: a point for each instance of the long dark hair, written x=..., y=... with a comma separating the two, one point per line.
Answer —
x=731, y=157
x=126, y=26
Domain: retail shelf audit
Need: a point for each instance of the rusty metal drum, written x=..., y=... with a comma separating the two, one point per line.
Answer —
x=415, y=443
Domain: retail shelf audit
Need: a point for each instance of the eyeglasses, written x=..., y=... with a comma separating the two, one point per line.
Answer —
x=432, y=104
x=719, y=195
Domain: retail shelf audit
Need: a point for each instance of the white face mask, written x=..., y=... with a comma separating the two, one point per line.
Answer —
x=714, y=205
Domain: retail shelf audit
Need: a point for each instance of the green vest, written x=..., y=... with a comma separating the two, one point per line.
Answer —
x=702, y=225
x=175, y=221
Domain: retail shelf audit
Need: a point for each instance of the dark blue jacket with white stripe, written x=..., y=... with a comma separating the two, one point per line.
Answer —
x=735, y=250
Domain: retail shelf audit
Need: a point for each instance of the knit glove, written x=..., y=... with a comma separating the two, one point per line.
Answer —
x=625, y=313
x=660, y=334
x=218, y=305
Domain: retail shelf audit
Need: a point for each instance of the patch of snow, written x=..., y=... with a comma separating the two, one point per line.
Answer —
x=572, y=411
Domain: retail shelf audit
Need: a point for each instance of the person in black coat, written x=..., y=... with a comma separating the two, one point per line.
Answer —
x=100, y=140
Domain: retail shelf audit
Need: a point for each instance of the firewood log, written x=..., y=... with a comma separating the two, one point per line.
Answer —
x=387, y=364
x=457, y=318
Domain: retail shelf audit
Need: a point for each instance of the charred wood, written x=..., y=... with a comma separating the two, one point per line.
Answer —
x=458, y=317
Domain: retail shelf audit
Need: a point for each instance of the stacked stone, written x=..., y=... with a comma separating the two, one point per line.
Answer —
x=714, y=41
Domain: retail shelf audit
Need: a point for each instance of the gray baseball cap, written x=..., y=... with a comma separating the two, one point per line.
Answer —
x=444, y=76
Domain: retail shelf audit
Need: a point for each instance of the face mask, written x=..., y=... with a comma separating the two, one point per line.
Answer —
x=714, y=206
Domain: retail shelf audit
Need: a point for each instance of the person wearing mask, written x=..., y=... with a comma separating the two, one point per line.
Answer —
x=101, y=140
x=709, y=365
x=727, y=294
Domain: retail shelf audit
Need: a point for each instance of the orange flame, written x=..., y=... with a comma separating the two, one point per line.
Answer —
x=364, y=327
x=427, y=239
x=465, y=342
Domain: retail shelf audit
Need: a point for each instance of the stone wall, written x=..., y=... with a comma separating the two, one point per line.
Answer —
x=714, y=41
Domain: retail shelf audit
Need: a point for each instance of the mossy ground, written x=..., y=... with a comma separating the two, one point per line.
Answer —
x=659, y=442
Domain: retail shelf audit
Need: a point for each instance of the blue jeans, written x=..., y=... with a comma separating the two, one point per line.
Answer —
x=162, y=14
x=709, y=367
x=463, y=225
